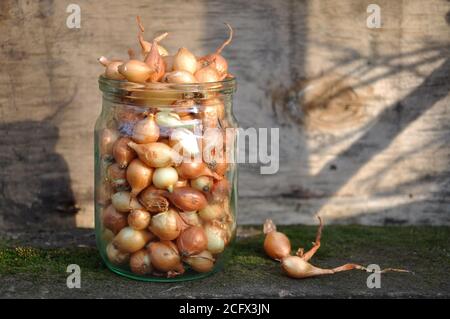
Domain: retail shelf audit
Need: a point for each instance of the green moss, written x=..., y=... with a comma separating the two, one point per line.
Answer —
x=409, y=247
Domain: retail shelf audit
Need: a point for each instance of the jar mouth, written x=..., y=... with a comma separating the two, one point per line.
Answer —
x=123, y=87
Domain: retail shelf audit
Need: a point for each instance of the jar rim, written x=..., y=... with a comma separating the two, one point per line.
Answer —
x=228, y=85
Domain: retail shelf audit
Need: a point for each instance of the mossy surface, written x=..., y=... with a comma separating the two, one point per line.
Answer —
x=423, y=250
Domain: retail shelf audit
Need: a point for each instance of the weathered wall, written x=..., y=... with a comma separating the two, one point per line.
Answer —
x=367, y=143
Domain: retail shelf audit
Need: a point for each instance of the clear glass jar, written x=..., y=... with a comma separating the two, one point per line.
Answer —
x=165, y=178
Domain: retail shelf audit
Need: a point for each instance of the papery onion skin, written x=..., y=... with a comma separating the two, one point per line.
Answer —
x=202, y=183
x=184, y=60
x=165, y=178
x=130, y=240
x=122, y=153
x=156, y=154
x=107, y=139
x=179, y=77
x=123, y=202
x=192, y=241
x=135, y=71
x=166, y=225
x=277, y=245
x=153, y=200
x=164, y=256
x=115, y=256
x=216, y=239
x=113, y=220
x=146, y=131
x=139, y=176
x=207, y=74
x=202, y=262
x=190, y=218
x=187, y=198
x=117, y=176
x=220, y=190
x=296, y=267
x=211, y=212
x=112, y=71
x=139, y=219
x=194, y=169
x=140, y=262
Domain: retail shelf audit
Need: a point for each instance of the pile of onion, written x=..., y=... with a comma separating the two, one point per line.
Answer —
x=278, y=247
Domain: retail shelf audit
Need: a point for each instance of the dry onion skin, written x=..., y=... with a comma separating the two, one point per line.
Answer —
x=276, y=246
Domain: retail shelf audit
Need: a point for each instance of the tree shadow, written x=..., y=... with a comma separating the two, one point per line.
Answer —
x=35, y=186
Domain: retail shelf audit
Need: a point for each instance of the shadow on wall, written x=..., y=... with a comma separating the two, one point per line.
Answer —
x=35, y=189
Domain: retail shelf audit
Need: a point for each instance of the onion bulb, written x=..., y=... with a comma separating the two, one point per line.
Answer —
x=140, y=262
x=122, y=153
x=116, y=176
x=194, y=169
x=139, y=219
x=164, y=256
x=184, y=142
x=216, y=238
x=123, y=202
x=179, y=77
x=190, y=218
x=156, y=63
x=184, y=60
x=139, y=176
x=192, y=241
x=107, y=235
x=111, y=68
x=135, y=71
x=115, y=256
x=202, y=262
x=276, y=244
x=165, y=178
x=211, y=212
x=168, y=119
x=113, y=220
x=166, y=225
x=168, y=62
x=153, y=200
x=107, y=139
x=156, y=154
x=146, y=131
x=181, y=183
x=187, y=198
x=130, y=240
x=207, y=74
x=202, y=183
x=220, y=190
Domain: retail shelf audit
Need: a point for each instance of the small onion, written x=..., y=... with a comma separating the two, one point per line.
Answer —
x=194, y=169
x=179, y=77
x=220, y=190
x=152, y=199
x=207, y=74
x=113, y=220
x=107, y=235
x=192, y=241
x=297, y=267
x=202, y=262
x=135, y=71
x=146, y=131
x=140, y=262
x=107, y=139
x=202, y=183
x=190, y=218
x=123, y=202
x=211, y=212
x=276, y=244
x=168, y=119
x=111, y=68
x=117, y=176
x=130, y=240
x=181, y=183
x=166, y=225
x=156, y=154
x=115, y=256
x=122, y=153
x=187, y=198
x=184, y=60
x=164, y=256
x=168, y=61
x=165, y=178
x=139, y=219
x=216, y=238
x=139, y=176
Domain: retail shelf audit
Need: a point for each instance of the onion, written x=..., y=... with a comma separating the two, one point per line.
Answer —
x=184, y=60
x=181, y=183
x=122, y=153
x=115, y=256
x=145, y=45
x=130, y=240
x=207, y=74
x=190, y=218
x=113, y=220
x=211, y=212
x=194, y=169
x=103, y=193
x=168, y=119
x=192, y=241
x=107, y=139
x=179, y=77
x=153, y=200
x=202, y=262
x=165, y=178
x=156, y=63
x=216, y=238
x=107, y=235
x=166, y=225
x=146, y=131
x=276, y=244
x=156, y=154
x=168, y=62
x=184, y=142
x=139, y=176
x=111, y=68
x=202, y=183
x=123, y=202
x=187, y=199
x=164, y=256
x=220, y=190
x=140, y=262
x=139, y=219
x=117, y=176
x=135, y=71
x=217, y=104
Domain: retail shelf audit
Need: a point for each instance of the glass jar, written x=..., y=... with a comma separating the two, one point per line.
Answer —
x=165, y=178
